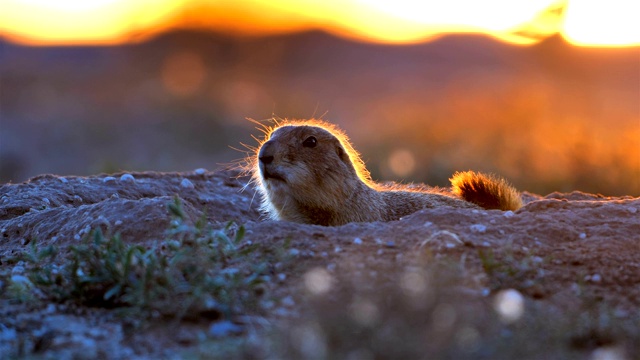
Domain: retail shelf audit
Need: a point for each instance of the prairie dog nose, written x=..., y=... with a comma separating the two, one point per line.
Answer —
x=266, y=155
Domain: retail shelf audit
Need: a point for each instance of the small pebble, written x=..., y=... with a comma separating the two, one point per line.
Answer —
x=288, y=301
x=224, y=328
x=118, y=222
x=508, y=213
x=63, y=180
x=108, y=179
x=187, y=184
x=357, y=241
x=8, y=335
x=478, y=228
x=337, y=249
x=583, y=236
x=127, y=178
x=596, y=278
x=21, y=279
x=282, y=277
x=390, y=244
x=633, y=210
x=294, y=252
x=200, y=171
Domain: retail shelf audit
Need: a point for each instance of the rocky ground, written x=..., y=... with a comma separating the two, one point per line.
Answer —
x=559, y=278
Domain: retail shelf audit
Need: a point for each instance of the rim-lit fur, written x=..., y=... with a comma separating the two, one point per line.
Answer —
x=327, y=183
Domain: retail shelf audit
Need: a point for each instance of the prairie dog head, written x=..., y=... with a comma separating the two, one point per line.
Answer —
x=306, y=165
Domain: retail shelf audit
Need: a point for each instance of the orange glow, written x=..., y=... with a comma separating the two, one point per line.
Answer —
x=44, y=22
x=183, y=73
x=582, y=22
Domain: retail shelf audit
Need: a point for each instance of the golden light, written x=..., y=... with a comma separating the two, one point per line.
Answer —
x=603, y=23
x=76, y=21
x=582, y=22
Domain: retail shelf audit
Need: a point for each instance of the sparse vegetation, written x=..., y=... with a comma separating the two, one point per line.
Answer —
x=197, y=270
x=509, y=270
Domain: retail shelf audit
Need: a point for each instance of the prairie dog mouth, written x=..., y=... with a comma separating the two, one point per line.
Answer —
x=267, y=175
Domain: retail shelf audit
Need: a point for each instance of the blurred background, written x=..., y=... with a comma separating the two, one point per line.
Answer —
x=546, y=93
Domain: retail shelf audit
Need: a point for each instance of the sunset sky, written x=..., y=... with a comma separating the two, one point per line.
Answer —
x=69, y=22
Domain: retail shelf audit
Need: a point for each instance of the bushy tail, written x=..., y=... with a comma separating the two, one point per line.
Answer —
x=487, y=191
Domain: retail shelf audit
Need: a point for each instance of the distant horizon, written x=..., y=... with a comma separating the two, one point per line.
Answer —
x=551, y=117
x=401, y=22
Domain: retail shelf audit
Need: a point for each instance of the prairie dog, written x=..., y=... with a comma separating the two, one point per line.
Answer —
x=308, y=172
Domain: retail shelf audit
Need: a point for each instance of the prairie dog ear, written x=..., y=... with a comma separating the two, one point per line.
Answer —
x=342, y=154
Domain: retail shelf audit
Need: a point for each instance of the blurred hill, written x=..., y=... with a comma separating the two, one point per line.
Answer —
x=550, y=117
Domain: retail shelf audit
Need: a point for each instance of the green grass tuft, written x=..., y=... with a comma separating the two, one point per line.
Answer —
x=197, y=270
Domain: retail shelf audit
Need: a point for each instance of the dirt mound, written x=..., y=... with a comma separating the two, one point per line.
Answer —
x=553, y=250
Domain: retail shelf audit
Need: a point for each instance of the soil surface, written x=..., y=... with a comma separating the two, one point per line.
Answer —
x=553, y=251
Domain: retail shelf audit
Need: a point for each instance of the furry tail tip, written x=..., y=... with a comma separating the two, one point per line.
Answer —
x=487, y=191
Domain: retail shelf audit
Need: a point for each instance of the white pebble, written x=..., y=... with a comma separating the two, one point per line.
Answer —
x=633, y=210
x=478, y=228
x=118, y=222
x=282, y=277
x=200, y=171
x=294, y=252
x=187, y=184
x=357, y=241
x=288, y=301
x=108, y=179
x=337, y=249
x=20, y=279
x=508, y=213
x=46, y=201
x=583, y=236
x=63, y=180
x=427, y=224
x=127, y=178
x=596, y=278
x=224, y=328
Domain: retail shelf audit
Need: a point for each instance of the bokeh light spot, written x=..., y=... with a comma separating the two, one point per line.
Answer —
x=402, y=162
x=509, y=304
x=318, y=281
x=183, y=73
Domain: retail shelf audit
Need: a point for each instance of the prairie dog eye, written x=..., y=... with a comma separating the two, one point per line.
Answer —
x=310, y=142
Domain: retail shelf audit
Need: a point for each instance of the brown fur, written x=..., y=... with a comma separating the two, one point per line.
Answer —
x=325, y=182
